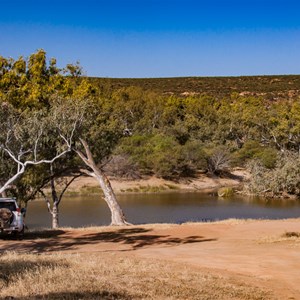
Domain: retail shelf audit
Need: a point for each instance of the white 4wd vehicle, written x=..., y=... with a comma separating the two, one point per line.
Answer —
x=11, y=217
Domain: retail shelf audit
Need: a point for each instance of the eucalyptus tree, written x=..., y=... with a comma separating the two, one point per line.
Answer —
x=29, y=88
x=30, y=83
x=60, y=178
x=38, y=180
x=95, y=138
x=24, y=136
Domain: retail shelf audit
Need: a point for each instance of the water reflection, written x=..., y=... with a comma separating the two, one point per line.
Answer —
x=162, y=208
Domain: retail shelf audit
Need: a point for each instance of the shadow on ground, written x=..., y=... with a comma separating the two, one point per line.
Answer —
x=60, y=240
x=10, y=268
x=103, y=295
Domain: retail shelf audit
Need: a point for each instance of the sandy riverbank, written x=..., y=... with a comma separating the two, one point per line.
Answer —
x=200, y=183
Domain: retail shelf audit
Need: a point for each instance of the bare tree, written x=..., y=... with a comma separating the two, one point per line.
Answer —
x=218, y=161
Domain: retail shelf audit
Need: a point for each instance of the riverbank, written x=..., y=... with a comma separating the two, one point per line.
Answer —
x=202, y=182
x=233, y=259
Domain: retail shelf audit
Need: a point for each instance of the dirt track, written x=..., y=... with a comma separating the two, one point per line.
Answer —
x=253, y=251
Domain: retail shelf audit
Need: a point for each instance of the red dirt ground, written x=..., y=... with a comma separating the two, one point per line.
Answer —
x=252, y=250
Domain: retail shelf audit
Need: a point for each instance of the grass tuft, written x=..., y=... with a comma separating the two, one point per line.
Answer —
x=290, y=234
x=150, y=188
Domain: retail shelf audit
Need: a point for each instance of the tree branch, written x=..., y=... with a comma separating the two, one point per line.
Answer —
x=66, y=187
x=25, y=164
x=89, y=156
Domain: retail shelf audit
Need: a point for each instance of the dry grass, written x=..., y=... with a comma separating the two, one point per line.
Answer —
x=290, y=237
x=150, y=188
x=291, y=234
x=112, y=276
x=231, y=221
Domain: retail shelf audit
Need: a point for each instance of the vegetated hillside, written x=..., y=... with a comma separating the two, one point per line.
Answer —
x=269, y=87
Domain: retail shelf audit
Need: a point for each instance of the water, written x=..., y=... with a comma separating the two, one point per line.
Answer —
x=175, y=207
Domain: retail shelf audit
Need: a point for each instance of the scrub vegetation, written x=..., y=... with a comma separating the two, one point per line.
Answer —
x=56, y=125
x=269, y=87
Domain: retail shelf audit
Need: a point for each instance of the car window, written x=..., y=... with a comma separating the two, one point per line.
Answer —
x=10, y=205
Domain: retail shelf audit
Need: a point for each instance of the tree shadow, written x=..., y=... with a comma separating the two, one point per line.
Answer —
x=229, y=175
x=43, y=234
x=131, y=238
x=140, y=237
x=9, y=269
x=33, y=235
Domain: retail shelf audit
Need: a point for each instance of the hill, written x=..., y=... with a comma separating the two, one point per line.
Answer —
x=271, y=87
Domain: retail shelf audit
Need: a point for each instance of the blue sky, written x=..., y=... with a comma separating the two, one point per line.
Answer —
x=152, y=38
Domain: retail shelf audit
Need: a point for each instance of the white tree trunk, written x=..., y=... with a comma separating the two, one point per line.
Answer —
x=117, y=215
x=55, y=219
x=52, y=211
x=56, y=199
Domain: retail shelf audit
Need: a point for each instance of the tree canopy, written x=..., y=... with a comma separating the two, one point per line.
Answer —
x=153, y=133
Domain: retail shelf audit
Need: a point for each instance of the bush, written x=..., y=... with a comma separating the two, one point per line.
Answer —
x=218, y=160
x=135, y=148
x=253, y=150
x=163, y=155
x=283, y=180
x=122, y=166
x=259, y=181
x=192, y=158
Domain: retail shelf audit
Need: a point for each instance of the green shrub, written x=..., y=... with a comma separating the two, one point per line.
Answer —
x=268, y=157
x=163, y=155
x=253, y=150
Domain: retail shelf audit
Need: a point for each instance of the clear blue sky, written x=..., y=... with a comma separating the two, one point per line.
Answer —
x=152, y=38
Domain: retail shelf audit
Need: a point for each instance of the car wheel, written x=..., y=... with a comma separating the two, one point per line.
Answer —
x=18, y=234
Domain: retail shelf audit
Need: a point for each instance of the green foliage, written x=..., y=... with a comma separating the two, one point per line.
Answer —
x=163, y=156
x=193, y=157
x=153, y=153
x=37, y=117
x=254, y=150
x=30, y=83
x=268, y=157
x=169, y=127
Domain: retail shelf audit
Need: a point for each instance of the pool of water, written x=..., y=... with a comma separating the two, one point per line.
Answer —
x=175, y=207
